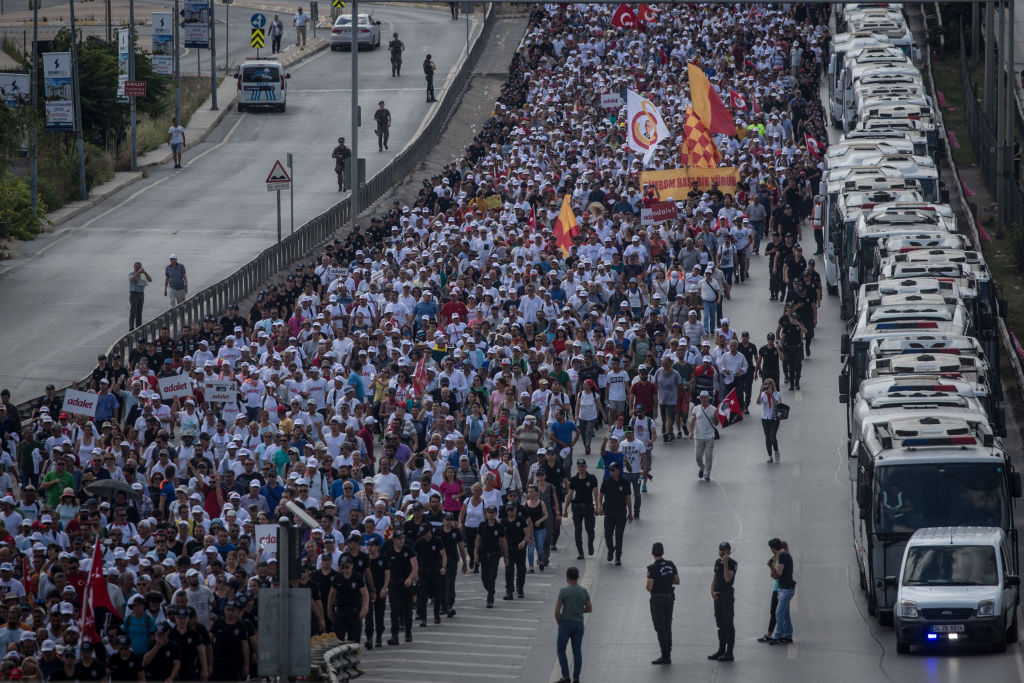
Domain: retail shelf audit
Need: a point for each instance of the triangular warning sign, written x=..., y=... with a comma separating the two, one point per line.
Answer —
x=278, y=174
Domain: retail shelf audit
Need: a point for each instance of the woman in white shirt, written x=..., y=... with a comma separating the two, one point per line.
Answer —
x=769, y=399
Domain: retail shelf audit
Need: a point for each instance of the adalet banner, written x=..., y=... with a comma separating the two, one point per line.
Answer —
x=80, y=402
x=676, y=182
x=178, y=386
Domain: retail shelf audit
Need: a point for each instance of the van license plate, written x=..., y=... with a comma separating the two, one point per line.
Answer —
x=948, y=628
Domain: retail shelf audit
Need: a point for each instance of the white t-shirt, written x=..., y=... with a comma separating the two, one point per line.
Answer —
x=617, y=383
x=177, y=134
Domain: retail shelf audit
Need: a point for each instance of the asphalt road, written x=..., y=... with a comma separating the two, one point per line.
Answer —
x=65, y=299
x=805, y=499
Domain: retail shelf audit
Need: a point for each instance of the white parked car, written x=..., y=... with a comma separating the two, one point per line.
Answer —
x=341, y=32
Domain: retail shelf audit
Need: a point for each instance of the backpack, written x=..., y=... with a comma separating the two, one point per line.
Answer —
x=498, y=479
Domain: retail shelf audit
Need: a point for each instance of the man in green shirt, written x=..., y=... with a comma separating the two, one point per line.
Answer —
x=56, y=481
x=573, y=603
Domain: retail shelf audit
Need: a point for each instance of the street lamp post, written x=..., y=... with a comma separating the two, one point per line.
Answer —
x=77, y=104
x=354, y=196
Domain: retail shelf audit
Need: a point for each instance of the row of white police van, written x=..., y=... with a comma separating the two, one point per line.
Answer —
x=932, y=489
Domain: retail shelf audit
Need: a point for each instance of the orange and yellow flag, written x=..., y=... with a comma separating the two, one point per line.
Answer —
x=707, y=104
x=565, y=227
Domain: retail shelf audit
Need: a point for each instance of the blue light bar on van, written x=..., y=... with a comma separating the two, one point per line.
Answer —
x=940, y=441
x=916, y=325
x=934, y=387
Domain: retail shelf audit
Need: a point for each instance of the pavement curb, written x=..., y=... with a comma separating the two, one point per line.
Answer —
x=108, y=189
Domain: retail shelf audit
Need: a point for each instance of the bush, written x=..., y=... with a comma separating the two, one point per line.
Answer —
x=48, y=193
x=99, y=167
x=16, y=207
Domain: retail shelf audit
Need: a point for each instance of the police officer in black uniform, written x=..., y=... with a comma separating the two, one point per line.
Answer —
x=340, y=155
x=404, y=568
x=791, y=331
x=722, y=594
x=490, y=545
x=380, y=571
x=768, y=358
x=230, y=637
x=745, y=382
x=125, y=665
x=613, y=501
x=518, y=533
x=662, y=578
x=454, y=548
x=580, y=499
x=349, y=601
x=428, y=72
x=433, y=563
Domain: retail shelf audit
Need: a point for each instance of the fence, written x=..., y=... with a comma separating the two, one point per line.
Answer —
x=985, y=143
x=249, y=278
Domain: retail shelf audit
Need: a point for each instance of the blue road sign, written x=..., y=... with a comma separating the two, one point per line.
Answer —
x=258, y=20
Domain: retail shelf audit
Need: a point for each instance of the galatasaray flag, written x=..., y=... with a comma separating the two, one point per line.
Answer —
x=565, y=227
x=698, y=149
x=708, y=104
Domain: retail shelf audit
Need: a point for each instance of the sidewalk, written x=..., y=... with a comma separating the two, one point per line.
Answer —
x=203, y=121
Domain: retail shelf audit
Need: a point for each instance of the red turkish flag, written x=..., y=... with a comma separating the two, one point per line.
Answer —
x=647, y=13
x=756, y=105
x=730, y=411
x=96, y=595
x=624, y=17
x=737, y=101
x=813, y=146
x=531, y=222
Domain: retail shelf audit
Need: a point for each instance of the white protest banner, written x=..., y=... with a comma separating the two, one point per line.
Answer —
x=266, y=539
x=80, y=402
x=219, y=392
x=175, y=387
x=611, y=100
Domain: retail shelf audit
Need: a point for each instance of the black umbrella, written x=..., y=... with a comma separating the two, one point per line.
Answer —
x=108, y=488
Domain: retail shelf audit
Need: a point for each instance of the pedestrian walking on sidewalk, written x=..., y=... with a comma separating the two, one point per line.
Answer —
x=383, y=119
x=722, y=595
x=428, y=72
x=176, y=141
x=662, y=578
x=276, y=30
x=573, y=602
x=175, y=281
x=137, y=281
x=782, y=569
x=396, y=48
x=300, y=20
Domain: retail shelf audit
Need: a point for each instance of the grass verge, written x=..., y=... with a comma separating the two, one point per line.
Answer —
x=151, y=132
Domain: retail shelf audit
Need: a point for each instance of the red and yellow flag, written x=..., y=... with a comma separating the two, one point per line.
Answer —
x=707, y=104
x=565, y=227
x=698, y=150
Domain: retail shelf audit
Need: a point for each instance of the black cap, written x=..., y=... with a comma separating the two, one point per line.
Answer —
x=123, y=640
x=581, y=461
x=491, y=508
x=724, y=545
x=449, y=515
x=771, y=335
x=425, y=529
x=398, y=533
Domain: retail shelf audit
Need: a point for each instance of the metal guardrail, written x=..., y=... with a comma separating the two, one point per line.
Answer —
x=241, y=284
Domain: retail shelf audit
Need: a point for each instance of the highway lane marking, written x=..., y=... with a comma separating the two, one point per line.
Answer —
x=67, y=232
x=226, y=139
x=316, y=90
x=419, y=672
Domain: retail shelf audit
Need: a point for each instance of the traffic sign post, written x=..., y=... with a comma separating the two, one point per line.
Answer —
x=278, y=180
x=291, y=194
x=258, y=39
x=135, y=88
